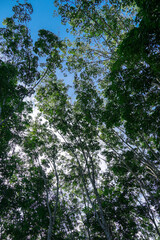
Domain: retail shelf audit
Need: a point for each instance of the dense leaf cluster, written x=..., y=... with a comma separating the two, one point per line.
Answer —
x=85, y=167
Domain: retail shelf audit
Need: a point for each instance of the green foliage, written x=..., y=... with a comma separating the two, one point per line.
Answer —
x=87, y=167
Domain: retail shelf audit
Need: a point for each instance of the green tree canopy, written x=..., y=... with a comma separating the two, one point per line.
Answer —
x=86, y=167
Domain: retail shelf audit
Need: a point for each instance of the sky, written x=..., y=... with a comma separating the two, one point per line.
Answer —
x=42, y=17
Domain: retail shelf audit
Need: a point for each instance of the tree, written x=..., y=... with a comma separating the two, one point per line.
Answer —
x=22, y=182
x=54, y=185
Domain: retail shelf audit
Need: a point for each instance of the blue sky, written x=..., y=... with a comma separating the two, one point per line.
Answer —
x=42, y=17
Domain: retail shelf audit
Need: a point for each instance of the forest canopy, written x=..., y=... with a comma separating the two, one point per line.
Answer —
x=87, y=166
